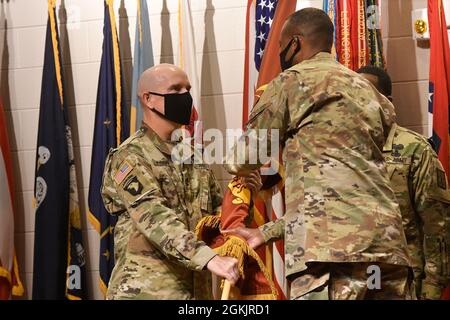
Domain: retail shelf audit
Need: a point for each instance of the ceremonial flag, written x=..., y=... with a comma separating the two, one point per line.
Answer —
x=373, y=33
x=111, y=129
x=255, y=282
x=59, y=257
x=188, y=62
x=143, y=59
x=10, y=284
x=265, y=19
x=358, y=39
x=439, y=81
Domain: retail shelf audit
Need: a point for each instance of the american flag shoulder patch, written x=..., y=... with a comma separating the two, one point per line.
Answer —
x=124, y=169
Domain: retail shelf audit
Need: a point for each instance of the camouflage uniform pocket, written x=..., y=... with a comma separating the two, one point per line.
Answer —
x=398, y=168
x=201, y=188
x=437, y=252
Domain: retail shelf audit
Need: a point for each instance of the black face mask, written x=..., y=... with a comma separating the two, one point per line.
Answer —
x=287, y=64
x=177, y=107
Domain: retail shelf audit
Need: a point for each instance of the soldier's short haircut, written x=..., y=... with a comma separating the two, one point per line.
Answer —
x=384, y=80
x=315, y=25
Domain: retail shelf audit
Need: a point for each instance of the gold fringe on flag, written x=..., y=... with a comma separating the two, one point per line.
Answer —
x=237, y=248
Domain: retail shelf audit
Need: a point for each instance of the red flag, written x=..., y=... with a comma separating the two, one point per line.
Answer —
x=439, y=86
x=439, y=80
x=351, y=33
x=10, y=283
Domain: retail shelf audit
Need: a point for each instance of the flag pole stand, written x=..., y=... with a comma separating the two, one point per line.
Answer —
x=226, y=290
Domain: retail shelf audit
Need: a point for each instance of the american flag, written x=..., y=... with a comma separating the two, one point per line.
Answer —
x=260, y=17
x=265, y=12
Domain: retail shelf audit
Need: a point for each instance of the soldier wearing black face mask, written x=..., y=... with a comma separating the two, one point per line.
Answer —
x=177, y=107
x=332, y=125
x=159, y=202
x=286, y=64
x=302, y=40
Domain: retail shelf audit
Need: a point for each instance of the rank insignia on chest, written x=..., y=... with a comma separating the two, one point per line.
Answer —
x=133, y=186
x=201, y=166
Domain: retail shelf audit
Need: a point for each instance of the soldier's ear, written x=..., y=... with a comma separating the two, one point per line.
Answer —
x=146, y=100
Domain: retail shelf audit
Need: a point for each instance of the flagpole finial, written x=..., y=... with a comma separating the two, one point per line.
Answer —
x=51, y=4
x=54, y=34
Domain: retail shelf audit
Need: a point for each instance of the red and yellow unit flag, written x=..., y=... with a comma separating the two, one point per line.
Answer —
x=264, y=22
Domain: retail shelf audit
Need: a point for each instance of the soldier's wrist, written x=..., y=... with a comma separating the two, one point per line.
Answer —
x=272, y=230
x=203, y=255
x=266, y=232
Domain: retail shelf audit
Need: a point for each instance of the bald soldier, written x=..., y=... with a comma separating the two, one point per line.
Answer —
x=342, y=223
x=159, y=202
x=422, y=191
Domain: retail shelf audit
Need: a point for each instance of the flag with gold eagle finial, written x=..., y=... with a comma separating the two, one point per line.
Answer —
x=112, y=127
x=59, y=257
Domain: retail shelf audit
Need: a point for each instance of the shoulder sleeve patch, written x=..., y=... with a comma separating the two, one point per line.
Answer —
x=133, y=186
x=124, y=170
x=441, y=180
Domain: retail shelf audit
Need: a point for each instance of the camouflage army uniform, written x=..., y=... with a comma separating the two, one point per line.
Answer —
x=158, y=203
x=422, y=191
x=340, y=207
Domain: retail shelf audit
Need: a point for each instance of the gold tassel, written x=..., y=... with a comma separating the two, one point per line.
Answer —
x=212, y=222
x=237, y=248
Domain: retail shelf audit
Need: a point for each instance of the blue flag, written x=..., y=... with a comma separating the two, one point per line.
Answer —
x=143, y=59
x=111, y=128
x=59, y=260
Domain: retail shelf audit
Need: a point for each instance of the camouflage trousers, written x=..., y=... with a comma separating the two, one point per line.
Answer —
x=352, y=281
